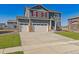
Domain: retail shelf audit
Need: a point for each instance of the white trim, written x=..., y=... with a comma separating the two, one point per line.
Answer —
x=40, y=24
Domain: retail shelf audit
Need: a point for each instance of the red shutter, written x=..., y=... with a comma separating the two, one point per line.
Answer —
x=32, y=13
x=42, y=14
x=36, y=14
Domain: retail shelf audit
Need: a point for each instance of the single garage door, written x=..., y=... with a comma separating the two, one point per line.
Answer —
x=24, y=28
x=40, y=27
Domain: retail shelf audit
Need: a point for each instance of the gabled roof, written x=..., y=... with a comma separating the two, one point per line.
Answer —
x=39, y=7
x=74, y=18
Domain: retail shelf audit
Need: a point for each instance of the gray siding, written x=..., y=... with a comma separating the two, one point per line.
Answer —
x=12, y=26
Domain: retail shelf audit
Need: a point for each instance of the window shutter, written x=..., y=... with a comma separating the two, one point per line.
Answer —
x=36, y=14
x=42, y=14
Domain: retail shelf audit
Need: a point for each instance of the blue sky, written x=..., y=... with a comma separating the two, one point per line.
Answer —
x=10, y=11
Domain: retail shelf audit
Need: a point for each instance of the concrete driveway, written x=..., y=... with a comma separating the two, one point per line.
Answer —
x=47, y=42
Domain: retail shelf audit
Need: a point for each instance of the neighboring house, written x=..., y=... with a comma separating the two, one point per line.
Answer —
x=2, y=26
x=38, y=19
x=73, y=24
x=12, y=24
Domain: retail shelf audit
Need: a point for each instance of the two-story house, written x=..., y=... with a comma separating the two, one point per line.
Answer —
x=73, y=24
x=38, y=19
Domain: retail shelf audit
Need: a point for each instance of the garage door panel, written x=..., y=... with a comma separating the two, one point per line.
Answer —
x=24, y=28
x=40, y=27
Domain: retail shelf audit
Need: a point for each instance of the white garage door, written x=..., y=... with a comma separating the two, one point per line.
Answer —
x=40, y=27
x=24, y=28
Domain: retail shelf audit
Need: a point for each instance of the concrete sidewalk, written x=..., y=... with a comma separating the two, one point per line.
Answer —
x=47, y=42
x=9, y=50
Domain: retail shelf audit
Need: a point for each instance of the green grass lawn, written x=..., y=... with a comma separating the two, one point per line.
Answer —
x=17, y=52
x=72, y=35
x=9, y=40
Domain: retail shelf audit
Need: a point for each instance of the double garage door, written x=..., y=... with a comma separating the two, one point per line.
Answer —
x=40, y=27
x=36, y=27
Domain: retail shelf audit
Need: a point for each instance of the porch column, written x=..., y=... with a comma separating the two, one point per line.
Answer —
x=49, y=26
x=30, y=24
x=55, y=26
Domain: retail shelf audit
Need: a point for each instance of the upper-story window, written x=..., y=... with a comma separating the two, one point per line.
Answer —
x=39, y=14
x=33, y=13
x=56, y=15
x=42, y=14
